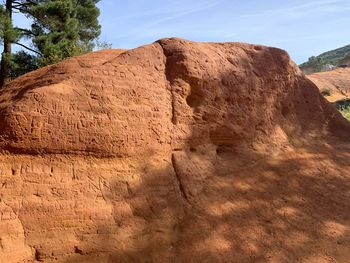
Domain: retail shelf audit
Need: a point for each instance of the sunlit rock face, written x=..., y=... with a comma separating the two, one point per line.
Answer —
x=172, y=152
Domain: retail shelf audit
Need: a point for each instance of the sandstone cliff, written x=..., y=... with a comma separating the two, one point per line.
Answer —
x=173, y=152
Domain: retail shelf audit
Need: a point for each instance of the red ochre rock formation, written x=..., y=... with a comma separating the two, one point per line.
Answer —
x=335, y=82
x=173, y=152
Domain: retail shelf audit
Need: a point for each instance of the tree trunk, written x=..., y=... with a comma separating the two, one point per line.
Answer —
x=5, y=67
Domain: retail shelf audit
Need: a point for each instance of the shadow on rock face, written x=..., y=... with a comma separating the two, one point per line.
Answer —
x=200, y=154
x=233, y=209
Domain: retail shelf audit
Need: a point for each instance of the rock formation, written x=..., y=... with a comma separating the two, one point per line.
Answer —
x=336, y=83
x=173, y=152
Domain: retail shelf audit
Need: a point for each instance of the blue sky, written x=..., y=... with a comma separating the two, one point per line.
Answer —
x=302, y=27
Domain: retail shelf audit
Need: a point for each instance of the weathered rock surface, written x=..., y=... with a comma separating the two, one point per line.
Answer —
x=336, y=82
x=173, y=152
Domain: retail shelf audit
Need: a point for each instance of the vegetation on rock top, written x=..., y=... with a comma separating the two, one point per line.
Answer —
x=59, y=29
x=331, y=58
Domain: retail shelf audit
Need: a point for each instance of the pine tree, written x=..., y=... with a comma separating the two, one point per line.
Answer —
x=88, y=25
x=60, y=29
x=8, y=36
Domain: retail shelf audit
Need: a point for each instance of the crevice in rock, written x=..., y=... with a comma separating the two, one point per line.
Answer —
x=170, y=83
x=37, y=255
x=78, y=251
x=179, y=179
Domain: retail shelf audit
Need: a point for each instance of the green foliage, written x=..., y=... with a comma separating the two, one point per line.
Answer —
x=346, y=113
x=88, y=26
x=332, y=57
x=7, y=31
x=344, y=107
x=60, y=29
x=103, y=45
x=55, y=30
x=342, y=104
x=345, y=61
x=21, y=63
x=64, y=28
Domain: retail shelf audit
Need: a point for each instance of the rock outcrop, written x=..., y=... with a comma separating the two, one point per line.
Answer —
x=335, y=83
x=174, y=151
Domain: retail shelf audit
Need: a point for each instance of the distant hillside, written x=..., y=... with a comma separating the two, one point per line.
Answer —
x=345, y=61
x=326, y=60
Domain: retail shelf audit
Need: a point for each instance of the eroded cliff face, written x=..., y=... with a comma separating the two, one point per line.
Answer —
x=175, y=151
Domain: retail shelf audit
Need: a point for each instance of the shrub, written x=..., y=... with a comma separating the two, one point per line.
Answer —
x=346, y=113
x=326, y=92
x=344, y=107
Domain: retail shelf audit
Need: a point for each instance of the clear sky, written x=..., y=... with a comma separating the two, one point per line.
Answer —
x=302, y=27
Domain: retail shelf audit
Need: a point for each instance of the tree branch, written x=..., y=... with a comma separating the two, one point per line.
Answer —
x=23, y=7
x=28, y=3
x=28, y=48
x=25, y=31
